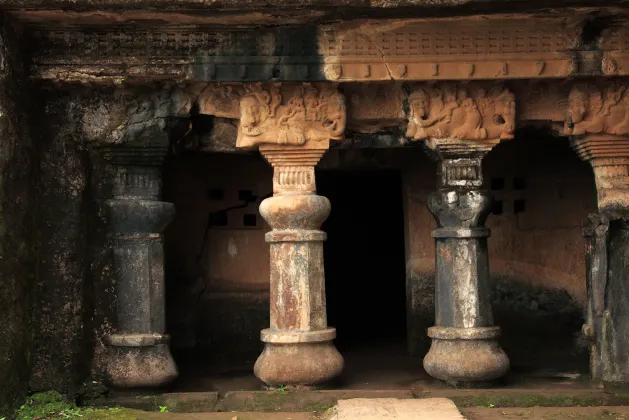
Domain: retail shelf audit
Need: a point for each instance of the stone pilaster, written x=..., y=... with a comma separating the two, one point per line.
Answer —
x=462, y=123
x=292, y=126
x=138, y=353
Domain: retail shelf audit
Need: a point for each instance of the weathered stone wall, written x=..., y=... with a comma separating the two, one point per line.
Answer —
x=18, y=208
x=60, y=348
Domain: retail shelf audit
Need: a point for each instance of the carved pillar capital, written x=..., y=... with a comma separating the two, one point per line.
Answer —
x=457, y=118
x=597, y=121
x=609, y=157
x=293, y=168
x=300, y=115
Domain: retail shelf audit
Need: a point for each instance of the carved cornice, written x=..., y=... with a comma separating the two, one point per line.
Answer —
x=461, y=118
x=305, y=115
x=475, y=48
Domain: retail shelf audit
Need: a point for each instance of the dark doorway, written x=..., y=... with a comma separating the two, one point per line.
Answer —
x=364, y=257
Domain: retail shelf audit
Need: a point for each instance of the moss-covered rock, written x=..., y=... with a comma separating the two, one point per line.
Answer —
x=52, y=405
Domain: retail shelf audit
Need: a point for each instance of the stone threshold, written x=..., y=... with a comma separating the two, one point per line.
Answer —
x=318, y=401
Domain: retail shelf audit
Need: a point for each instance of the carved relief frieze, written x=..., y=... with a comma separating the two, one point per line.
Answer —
x=220, y=99
x=597, y=121
x=293, y=115
x=592, y=109
x=468, y=113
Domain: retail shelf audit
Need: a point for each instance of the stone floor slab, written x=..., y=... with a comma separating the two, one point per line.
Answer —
x=305, y=401
x=228, y=416
x=392, y=408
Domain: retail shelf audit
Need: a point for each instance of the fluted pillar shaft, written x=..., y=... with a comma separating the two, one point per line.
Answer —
x=138, y=351
x=298, y=345
x=464, y=340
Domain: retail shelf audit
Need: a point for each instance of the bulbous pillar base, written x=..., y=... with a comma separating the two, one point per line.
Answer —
x=139, y=361
x=298, y=363
x=465, y=355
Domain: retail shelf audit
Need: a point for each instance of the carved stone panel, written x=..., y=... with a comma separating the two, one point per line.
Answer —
x=293, y=115
x=470, y=113
x=597, y=110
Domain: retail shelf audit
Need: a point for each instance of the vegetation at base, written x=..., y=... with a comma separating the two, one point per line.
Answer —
x=52, y=405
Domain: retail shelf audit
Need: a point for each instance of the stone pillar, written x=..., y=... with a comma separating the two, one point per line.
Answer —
x=292, y=125
x=597, y=320
x=596, y=121
x=138, y=353
x=464, y=339
x=607, y=256
x=298, y=345
x=460, y=124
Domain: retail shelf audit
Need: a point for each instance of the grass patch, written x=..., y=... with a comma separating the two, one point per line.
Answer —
x=52, y=405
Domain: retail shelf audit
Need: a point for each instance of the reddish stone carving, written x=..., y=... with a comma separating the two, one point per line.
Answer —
x=291, y=116
x=592, y=110
x=449, y=111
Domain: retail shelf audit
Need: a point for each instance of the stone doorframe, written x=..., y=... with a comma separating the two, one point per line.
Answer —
x=407, y=76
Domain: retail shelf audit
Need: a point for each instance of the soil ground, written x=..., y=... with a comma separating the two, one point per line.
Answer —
x=535, y=413
x=548, y=413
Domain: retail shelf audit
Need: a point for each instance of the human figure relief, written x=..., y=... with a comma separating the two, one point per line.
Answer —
x=467, y=121
x=594, y=112
x=304, y=114
x=464, y=113
x=503, y=113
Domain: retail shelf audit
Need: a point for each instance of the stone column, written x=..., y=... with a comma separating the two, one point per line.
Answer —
x=596, y=239
x=464, y=339
x=138, y=353
x=460, y=124
x=298, y=345
x=607, y=256
x=596, y=121
x=292, y=126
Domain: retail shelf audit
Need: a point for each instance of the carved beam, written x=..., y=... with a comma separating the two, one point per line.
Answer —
x=474, y=48
x=292, y=126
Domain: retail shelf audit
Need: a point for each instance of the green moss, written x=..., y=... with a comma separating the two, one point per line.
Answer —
x=287, y=401
x=111, y=414
x=52, y=405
